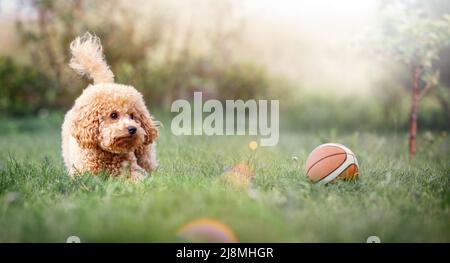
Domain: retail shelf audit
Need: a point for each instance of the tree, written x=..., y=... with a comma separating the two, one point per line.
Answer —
x=414, y=38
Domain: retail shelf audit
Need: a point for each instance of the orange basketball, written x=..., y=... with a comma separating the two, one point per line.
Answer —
x=331, y=161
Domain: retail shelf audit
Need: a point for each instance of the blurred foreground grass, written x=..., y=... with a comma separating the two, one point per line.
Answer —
x=394, y=199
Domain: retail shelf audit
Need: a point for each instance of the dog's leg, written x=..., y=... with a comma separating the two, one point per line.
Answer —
x=131, y=169
x=137, y=173
x=146, y=157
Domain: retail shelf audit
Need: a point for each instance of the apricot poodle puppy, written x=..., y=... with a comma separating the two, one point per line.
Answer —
x=109, y=127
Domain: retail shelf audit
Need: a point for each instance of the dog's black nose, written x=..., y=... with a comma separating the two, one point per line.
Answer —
x=132, y=130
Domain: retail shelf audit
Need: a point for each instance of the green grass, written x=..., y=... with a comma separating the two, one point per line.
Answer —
x=397, y=200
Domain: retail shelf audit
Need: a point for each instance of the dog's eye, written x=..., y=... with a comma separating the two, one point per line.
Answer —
x=132, y=116
x=114, y=115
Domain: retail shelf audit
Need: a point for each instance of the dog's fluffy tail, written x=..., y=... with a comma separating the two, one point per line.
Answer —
x=88, y=59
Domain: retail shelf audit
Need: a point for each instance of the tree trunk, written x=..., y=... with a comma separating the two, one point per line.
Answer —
x=417, y=73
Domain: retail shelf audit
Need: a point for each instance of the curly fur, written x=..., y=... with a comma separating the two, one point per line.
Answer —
x=94, y=141
x=87, y=59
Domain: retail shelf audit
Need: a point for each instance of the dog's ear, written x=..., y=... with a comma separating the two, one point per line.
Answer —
x=149, y=125
x=85, y=127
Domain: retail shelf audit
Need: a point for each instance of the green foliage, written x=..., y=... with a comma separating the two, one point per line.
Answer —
x=155, y=61
x=412, y=36
x=315, y=111
x=23, y=89
x=162, y=84
x=243, y=81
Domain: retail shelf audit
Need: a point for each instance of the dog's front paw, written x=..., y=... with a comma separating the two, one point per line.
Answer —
x=138, y=175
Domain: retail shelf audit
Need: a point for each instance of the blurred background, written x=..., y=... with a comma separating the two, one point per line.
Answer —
x=321, y=59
